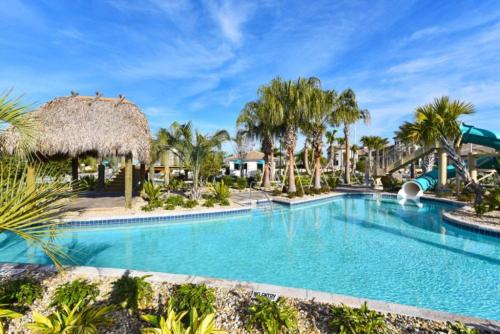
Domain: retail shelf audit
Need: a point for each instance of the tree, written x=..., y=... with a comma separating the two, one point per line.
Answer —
x=354, y=150
x=258, y=123
x=31, y=211
x=411, y=133
x=439, y=122
x=211, y=165
x=192, y=148
x=379, y=144
x=370, y=143
x=287, y=101
x=319, y=108
x=347, y=112
x=330, y=140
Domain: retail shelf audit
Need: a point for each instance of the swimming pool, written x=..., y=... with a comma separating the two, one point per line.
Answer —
x=352, y=245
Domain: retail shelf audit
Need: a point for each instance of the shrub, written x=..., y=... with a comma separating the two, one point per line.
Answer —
x=131, y=293
x=176, y=184
x=221, y=191
x=292, y=195
x=465, y=197
x=20, y=291
x=241, y=183
x=325, y=189
x=272, y=317
x=169, y=207
x=72, y=293
x=189, y=296
x=460, y=328
x=299, y=192
x=191, y=203
x=228, y=180
x=175, y=200
x=173, y=322
x=333, y=182
x=353, y=321
x=209, y=203
x=88, y=182
x=225, y=202
x=80, y=319
x=277, y=192
x=6, y=314
x=152, y=192
x=388, y=182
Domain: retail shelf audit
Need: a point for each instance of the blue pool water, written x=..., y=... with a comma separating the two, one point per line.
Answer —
x=348, y=245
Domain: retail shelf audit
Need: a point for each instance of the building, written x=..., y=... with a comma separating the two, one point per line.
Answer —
x=248, y=165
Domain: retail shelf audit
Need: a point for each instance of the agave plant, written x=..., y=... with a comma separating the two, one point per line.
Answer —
x=221, y=191
x=6, y=314
x=89, y=182
x=173, y=324
x=80, y=319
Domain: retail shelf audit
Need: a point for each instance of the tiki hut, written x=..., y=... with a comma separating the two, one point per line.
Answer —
x=73, y=126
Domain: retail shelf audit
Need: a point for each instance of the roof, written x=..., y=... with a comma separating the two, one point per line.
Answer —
x=249, y=156
x=75, y=125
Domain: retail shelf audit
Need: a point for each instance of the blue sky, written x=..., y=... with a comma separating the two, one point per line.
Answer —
x=201, y=61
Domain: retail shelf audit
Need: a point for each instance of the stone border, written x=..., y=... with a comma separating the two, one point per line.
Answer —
x=303, y=294
x=474, y=227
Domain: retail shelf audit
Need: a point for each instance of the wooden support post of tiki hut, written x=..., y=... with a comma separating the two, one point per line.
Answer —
x=100, y=176
x=128, y=181
x=74, y=169
x=30, y=177
x=142, y=177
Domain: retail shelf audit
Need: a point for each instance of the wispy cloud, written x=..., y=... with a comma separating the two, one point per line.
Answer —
x=230, y=17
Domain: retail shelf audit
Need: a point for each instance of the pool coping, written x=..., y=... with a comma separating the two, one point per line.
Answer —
x=475, y=227
x=302, y=294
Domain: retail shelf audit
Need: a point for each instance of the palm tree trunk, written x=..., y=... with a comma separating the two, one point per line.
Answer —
x=306, y=159
x=268, y=150
x=368, y=169
x=332, y=156
x=195, y=193
x=317, y=147
x=428, y=162
x=290, y=143
x=347, y=162
x=354, y=162
x=273, y=166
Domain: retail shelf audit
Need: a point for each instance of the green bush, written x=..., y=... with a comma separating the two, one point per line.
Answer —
x=276, y=192
x=333, y=182
x=5, y=315
x=88, y=182
x=169, y=207
x=72, y=293
x=299, y=192
x=131, y=293
x=292, y=195
x=272, y=317
x=21, y=291
x=189, y=296
x=460, y=328
x=191, y=203
x=228, y=180
x=175, y=200
x=176, y=184
x=221, y=191
x=225, y=202
x=347, y=320
x=86, y=319
x=241, y=183
x=209, y=203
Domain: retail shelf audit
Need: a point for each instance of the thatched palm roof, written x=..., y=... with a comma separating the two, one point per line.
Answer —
x=76, y=125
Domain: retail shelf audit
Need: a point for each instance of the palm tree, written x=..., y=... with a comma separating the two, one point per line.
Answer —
x=379, y=144
x=257, y=123
x=31, y=211
x=287, y=103
x=193, y=147
x=330, y=140
x=439, y=121
x=370, y=143
x=347, y=112
x=341, y=144
x=320, y=105
x=354, y=150
x=161, y=147
x=411, y=133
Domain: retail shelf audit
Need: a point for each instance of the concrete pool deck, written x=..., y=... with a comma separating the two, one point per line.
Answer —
x=302, y=294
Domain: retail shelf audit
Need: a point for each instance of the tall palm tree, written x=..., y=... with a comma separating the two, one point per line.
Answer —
x=161, y=148
x=193, y=147
x=30, y=211
x=341, y=144
x=354, y=150
x=330, y=140
x=439, y=122
x=256, y=122
x=287, y=103
x=370, y=143
x=379, y=144
x=319, y=108
x=411, y=133
x=347, y=112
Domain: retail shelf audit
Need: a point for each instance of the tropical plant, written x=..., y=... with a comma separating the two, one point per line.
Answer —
x=459, y=328
x=131, y=293
x=209, y=203
x=224, y=202
x=79, y=291
x=221, y=191
x=228, y=180
x=241, y=183
x=86, y=319
x=175, y=200
x=439, y=122
x=20, y=291
x=330, y=140
x=354, y=150
x=370, y=142
x=88, y=182
x=6, y=314
x=190, y=203
x=192, y=148
x=273, y=317
x=189, y=296
x=490, y=202
x=379, y=144
x=318, y=112
x=173, y=323
x=152, y=194
x=29, y=209
x=347, y=112
x=347, y=320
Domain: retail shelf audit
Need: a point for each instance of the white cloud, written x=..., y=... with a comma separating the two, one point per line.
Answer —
x=230, y=18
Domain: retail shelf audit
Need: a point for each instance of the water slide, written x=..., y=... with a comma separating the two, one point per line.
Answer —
x=415, y=188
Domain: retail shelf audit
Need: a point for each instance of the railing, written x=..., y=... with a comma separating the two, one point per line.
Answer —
x=397, y=156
